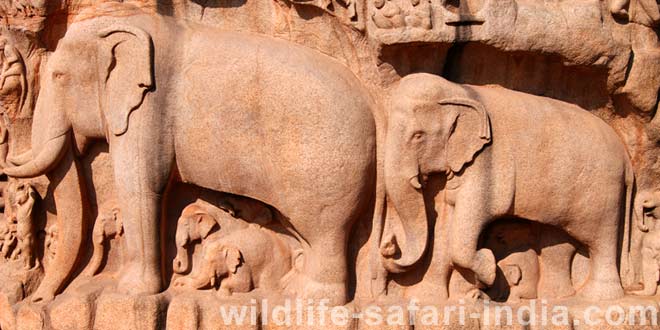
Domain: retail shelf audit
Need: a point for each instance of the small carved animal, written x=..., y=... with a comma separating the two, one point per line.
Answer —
x=197, y=222
x=244, y=260
x=50, y=242
x=521, y=274
x=108, y=225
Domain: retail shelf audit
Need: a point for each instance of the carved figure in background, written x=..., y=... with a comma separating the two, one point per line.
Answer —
x=50, y=242
x=4, y=140
x=648, y=215
x=13, y=78
x=134, y=118
x=108, y=225
x=420, y=15
x=4, y=232
x=196, y=223
x=26, y=8
x=12, y=64
x=246, y=259
x=643, y=81
x=25, y=198
x=9, y=239
x=388, y=15
x=490, y=144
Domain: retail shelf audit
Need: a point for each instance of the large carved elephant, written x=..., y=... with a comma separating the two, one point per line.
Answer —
x=232, y=112
x=504, y=154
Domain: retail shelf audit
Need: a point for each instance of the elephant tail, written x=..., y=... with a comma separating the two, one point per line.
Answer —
x=626, y=267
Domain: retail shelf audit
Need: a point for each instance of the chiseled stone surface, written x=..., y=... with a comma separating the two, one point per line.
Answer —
x=180, y=163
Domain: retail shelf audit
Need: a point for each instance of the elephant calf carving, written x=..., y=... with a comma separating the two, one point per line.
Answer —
x=503, y=154
x=520, y=276
x=196, y=223
x=244, y=260
x=108, y=225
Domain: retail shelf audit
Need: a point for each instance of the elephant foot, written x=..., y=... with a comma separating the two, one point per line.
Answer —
x=303, y=287
x=139, y=281
x=485, y=267
x=597, y=290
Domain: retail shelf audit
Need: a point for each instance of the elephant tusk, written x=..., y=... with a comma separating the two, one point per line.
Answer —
x=21, y=159
x=414, y=181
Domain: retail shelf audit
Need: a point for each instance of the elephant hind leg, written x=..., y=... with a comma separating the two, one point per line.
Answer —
x=604, y=282
x=321, y=273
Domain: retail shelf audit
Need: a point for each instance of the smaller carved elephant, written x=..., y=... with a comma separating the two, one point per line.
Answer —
x=196, y=223
x=647, y=214
x=247, y=259
x=108, y=225
x=520, y=276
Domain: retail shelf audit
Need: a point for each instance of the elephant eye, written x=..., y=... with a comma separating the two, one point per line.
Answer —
x=418, y=136
x=58, y=75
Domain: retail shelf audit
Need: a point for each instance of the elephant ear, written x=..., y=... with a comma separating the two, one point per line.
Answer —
x=470, y=132
x=205, y=224
x=512, y=273
x=126, y=72
x=233, y=258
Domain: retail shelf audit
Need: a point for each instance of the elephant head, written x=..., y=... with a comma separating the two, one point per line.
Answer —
x=193, y=225
x=218, y=261
x=92, y=82
x=433, y=127
x=646, y=206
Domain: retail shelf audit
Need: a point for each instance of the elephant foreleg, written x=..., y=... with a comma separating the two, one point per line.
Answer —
x=467, y=223
x=141, y=176
x=67, y=190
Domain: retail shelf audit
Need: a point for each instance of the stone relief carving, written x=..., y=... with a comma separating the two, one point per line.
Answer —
x=358, y=152
x=241, y=261
x=108, y=225
x=437, y=126
x=390, y=15
x=647, y=217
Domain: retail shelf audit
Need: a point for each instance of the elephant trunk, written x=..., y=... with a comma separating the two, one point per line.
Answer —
x=97, y=256
x=44, y=161
x=181, y=262
x=643, y=202
x=409, y=231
